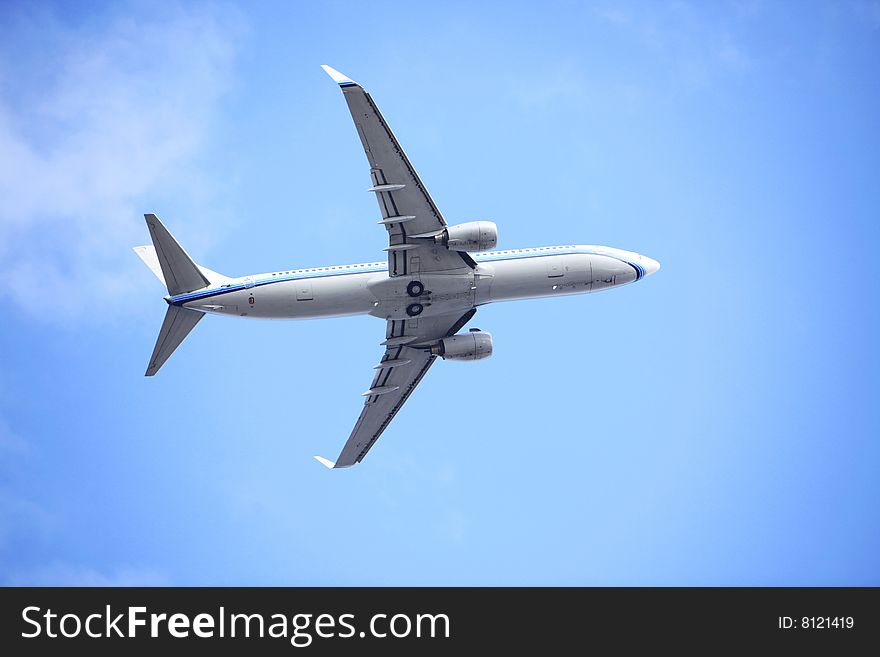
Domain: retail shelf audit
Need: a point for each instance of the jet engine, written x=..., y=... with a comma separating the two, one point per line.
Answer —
x=472, y=236
x=473, y=345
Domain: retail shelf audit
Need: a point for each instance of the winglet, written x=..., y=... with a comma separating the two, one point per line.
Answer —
x=327, y=463
x=338, y=78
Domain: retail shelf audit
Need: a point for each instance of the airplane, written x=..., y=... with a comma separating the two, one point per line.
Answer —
x=428, y=287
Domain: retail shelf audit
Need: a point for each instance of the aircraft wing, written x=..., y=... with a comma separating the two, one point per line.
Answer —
x=406, y=359
x=407, y=208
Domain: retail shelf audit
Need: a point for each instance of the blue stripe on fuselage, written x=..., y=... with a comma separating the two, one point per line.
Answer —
x=490, y=256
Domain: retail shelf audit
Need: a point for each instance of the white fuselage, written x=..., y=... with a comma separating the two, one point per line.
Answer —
x=367, y=289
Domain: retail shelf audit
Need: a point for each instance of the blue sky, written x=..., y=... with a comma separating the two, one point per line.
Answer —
x=716, y=424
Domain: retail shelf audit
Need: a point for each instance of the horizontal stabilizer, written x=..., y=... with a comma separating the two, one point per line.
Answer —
x=177, y=325
x=180, y=273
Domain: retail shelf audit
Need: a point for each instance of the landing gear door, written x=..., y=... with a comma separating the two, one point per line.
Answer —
x=304, y=290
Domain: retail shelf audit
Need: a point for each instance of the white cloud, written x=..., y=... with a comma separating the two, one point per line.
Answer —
x=59, y=573
x=564, y=83
x=124, y=114
x=27, y=525
x=9, y=440
x=613, y=14
x=691, y=51
x=22, y=518
x=867, y=11
x=733, y=55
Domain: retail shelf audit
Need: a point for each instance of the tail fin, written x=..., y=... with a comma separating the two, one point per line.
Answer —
x=177, y=325
x=151, y=260
x=179, y=272
x=171, y=265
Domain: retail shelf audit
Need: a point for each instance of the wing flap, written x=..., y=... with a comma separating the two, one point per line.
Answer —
x=380, y=409
x=401, y=369
x=406, y=206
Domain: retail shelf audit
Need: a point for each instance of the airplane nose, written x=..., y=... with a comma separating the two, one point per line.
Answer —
x=650, y=265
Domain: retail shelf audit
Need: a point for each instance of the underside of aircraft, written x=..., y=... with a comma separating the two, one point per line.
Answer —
x=428, y=288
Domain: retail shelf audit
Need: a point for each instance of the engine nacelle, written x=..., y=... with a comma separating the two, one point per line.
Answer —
x=473, y=345
x=472, y=236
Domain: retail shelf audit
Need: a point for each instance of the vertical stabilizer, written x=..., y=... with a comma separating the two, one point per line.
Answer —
x=148, y=255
